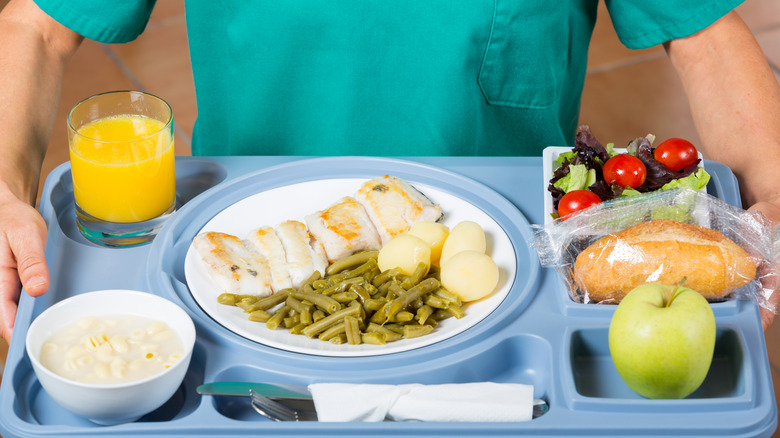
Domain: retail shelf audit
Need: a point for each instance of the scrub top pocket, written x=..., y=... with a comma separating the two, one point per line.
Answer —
x=526, y=55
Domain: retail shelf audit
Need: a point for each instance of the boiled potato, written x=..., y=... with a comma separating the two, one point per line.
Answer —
x=434, y=234
x=470, y=274
x=464, y=236
x=405, y=252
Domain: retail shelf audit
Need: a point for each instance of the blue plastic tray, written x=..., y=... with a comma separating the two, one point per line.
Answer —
x=536, y=336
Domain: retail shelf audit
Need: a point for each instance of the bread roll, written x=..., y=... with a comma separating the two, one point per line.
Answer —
x=662, y=251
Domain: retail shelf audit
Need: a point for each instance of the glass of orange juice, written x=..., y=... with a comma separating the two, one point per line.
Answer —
x=122, y=163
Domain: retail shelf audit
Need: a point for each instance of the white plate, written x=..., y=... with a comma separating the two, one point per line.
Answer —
x=295, y=201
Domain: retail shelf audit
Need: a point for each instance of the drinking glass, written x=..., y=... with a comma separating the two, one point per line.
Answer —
x=122, y=163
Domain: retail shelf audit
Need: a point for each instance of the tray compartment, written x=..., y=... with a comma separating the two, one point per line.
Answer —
x=521, y=358
x=36, y=407
x=193, y=177
x=594, y=375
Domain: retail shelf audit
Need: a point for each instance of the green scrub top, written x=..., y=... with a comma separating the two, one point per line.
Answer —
x=390, y=78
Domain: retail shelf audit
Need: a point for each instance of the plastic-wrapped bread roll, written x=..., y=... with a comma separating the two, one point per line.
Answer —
x=662, y=251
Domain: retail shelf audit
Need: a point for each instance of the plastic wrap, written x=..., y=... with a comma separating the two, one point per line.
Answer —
x=560, y=243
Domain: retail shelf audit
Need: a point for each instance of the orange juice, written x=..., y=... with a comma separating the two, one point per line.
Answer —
x=123, y=168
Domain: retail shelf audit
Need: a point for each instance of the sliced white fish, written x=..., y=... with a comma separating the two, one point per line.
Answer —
x=231, y=265
x=343, y=228
x=265, y=242
x=302, y=258
x=394, y=206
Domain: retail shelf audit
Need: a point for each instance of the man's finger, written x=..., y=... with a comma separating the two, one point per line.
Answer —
x=28, y=249
x=9, y=284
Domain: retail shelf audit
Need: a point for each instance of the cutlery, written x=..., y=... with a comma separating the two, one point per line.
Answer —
x=280, y=411
x=292, y=398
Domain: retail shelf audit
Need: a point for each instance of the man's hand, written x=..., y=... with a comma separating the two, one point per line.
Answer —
x=735, y=103
x=22, y=241
x=770, y=281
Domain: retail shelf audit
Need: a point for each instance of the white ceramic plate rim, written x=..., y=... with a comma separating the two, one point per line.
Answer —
x=300, y=199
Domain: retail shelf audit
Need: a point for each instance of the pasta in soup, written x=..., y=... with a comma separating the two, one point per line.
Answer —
x=111, y=349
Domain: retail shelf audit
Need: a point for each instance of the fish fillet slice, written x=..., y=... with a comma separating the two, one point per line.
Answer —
x=343, y=229
x=302, y=258
x=231, y=266
x=394, y=206
x=265, y=241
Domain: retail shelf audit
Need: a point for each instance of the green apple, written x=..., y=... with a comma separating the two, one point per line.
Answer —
x=662, y=339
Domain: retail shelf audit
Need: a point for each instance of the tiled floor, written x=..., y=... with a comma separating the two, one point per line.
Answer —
x=627, y=93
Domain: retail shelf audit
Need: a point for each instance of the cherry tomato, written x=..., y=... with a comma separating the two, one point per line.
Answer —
x=576, y=200
x=676, y=154
x=625, y=170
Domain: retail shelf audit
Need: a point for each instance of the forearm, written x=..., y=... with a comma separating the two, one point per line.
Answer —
x=735, y=102
x=33, y=53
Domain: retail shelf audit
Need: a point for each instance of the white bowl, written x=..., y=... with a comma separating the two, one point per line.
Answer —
x=111, y=403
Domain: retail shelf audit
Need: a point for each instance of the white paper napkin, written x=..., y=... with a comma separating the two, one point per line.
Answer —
x=482, y=402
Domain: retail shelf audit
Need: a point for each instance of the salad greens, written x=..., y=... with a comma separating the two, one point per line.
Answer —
x=581, y=168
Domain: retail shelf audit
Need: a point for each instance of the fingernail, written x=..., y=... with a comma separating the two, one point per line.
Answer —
x=36, y=282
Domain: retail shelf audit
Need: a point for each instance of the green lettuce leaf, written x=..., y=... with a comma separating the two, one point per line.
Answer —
x=696, y=181
x=579, y=178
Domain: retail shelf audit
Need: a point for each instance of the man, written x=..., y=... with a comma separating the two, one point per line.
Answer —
x=476, y=77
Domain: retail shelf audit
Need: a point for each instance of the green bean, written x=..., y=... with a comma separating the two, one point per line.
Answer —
x=389, y=334
x=320, y=284
x=371, y=275
x=386, y=276
x=402, y=316
x=332, y=331
x=368, y=266
x=306, y=317
x=456, y=311
x=259, y=316
x=345, y=297
x=272, y=301
x=416, y=330
x=434, y=272
x=230, y=299
x=329, y=320
x=373, y=338
x=350, y=261
x=339, y=287
x=227, y=299
x=437, y=302
x=419, y=273
x=441, y=315
x=341, y=338
x=298, y=329
x=324, y=302
x=394, y=290
x=292, y=321
x=423, y=313
x=406, y=297
x=370, y=288
x=277, y=318
x=245, y=306
x=449, y=296
x=316, y=275
x=354, y=302
x=375, y=304
x=297, y=305
x=396, y=328
x=352, y=330
x=360, y=291
x=381, y=315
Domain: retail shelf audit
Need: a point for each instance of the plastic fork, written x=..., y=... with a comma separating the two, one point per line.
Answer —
x=278, y=411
